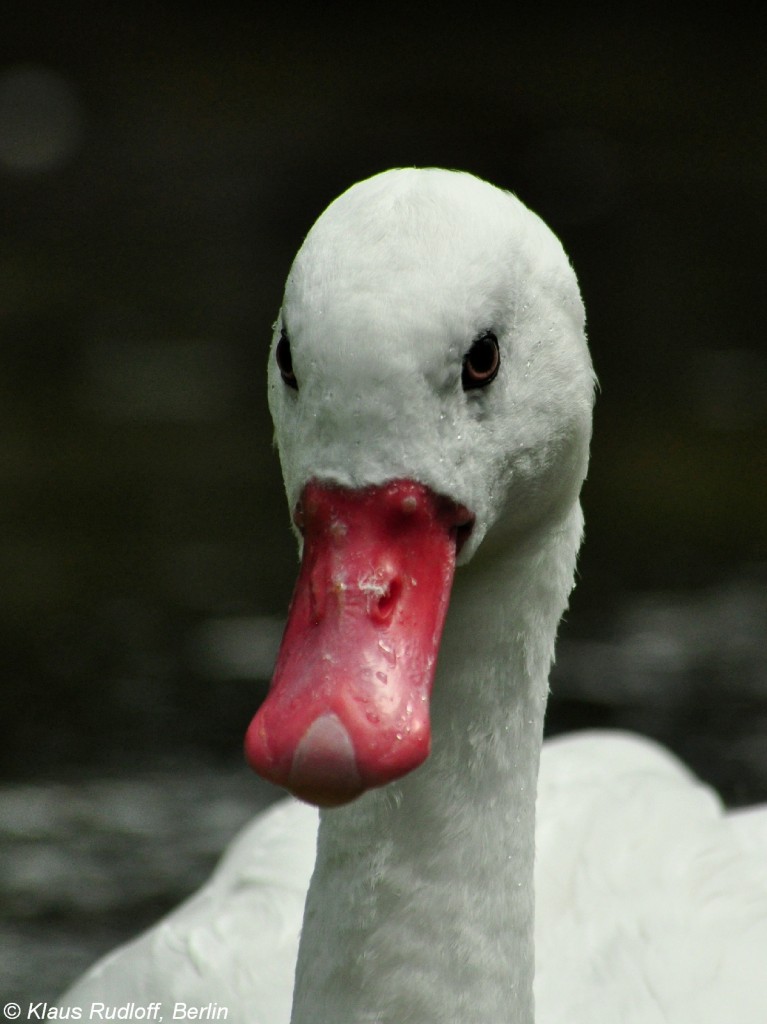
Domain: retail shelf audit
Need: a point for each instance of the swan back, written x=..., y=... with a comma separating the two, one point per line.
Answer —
x=651, y=901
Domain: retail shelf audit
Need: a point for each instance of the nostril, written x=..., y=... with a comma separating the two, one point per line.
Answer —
x=386, y=600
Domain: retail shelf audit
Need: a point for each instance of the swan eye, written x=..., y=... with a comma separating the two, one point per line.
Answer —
x=481, y=362
x=285, y=360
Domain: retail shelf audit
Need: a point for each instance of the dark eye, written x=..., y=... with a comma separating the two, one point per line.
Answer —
x=481, y=362
x=285, y=360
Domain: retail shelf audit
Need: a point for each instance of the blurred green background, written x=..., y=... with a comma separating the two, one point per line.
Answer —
x=159, y=166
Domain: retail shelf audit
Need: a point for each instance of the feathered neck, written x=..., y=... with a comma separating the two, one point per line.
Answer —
x=421, y=903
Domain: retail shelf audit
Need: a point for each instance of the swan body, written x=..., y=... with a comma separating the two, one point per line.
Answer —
x=657, y=931
x=650, y=902
x=234, y=941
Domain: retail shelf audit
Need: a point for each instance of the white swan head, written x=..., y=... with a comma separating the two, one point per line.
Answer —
x=392, y=285
x=371, y=380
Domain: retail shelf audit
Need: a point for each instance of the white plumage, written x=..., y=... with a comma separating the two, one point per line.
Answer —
x=650, y=902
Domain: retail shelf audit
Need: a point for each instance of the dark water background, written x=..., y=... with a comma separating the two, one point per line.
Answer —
x=159, y=166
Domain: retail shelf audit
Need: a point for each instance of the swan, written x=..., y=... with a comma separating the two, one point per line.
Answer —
x=431, y=391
